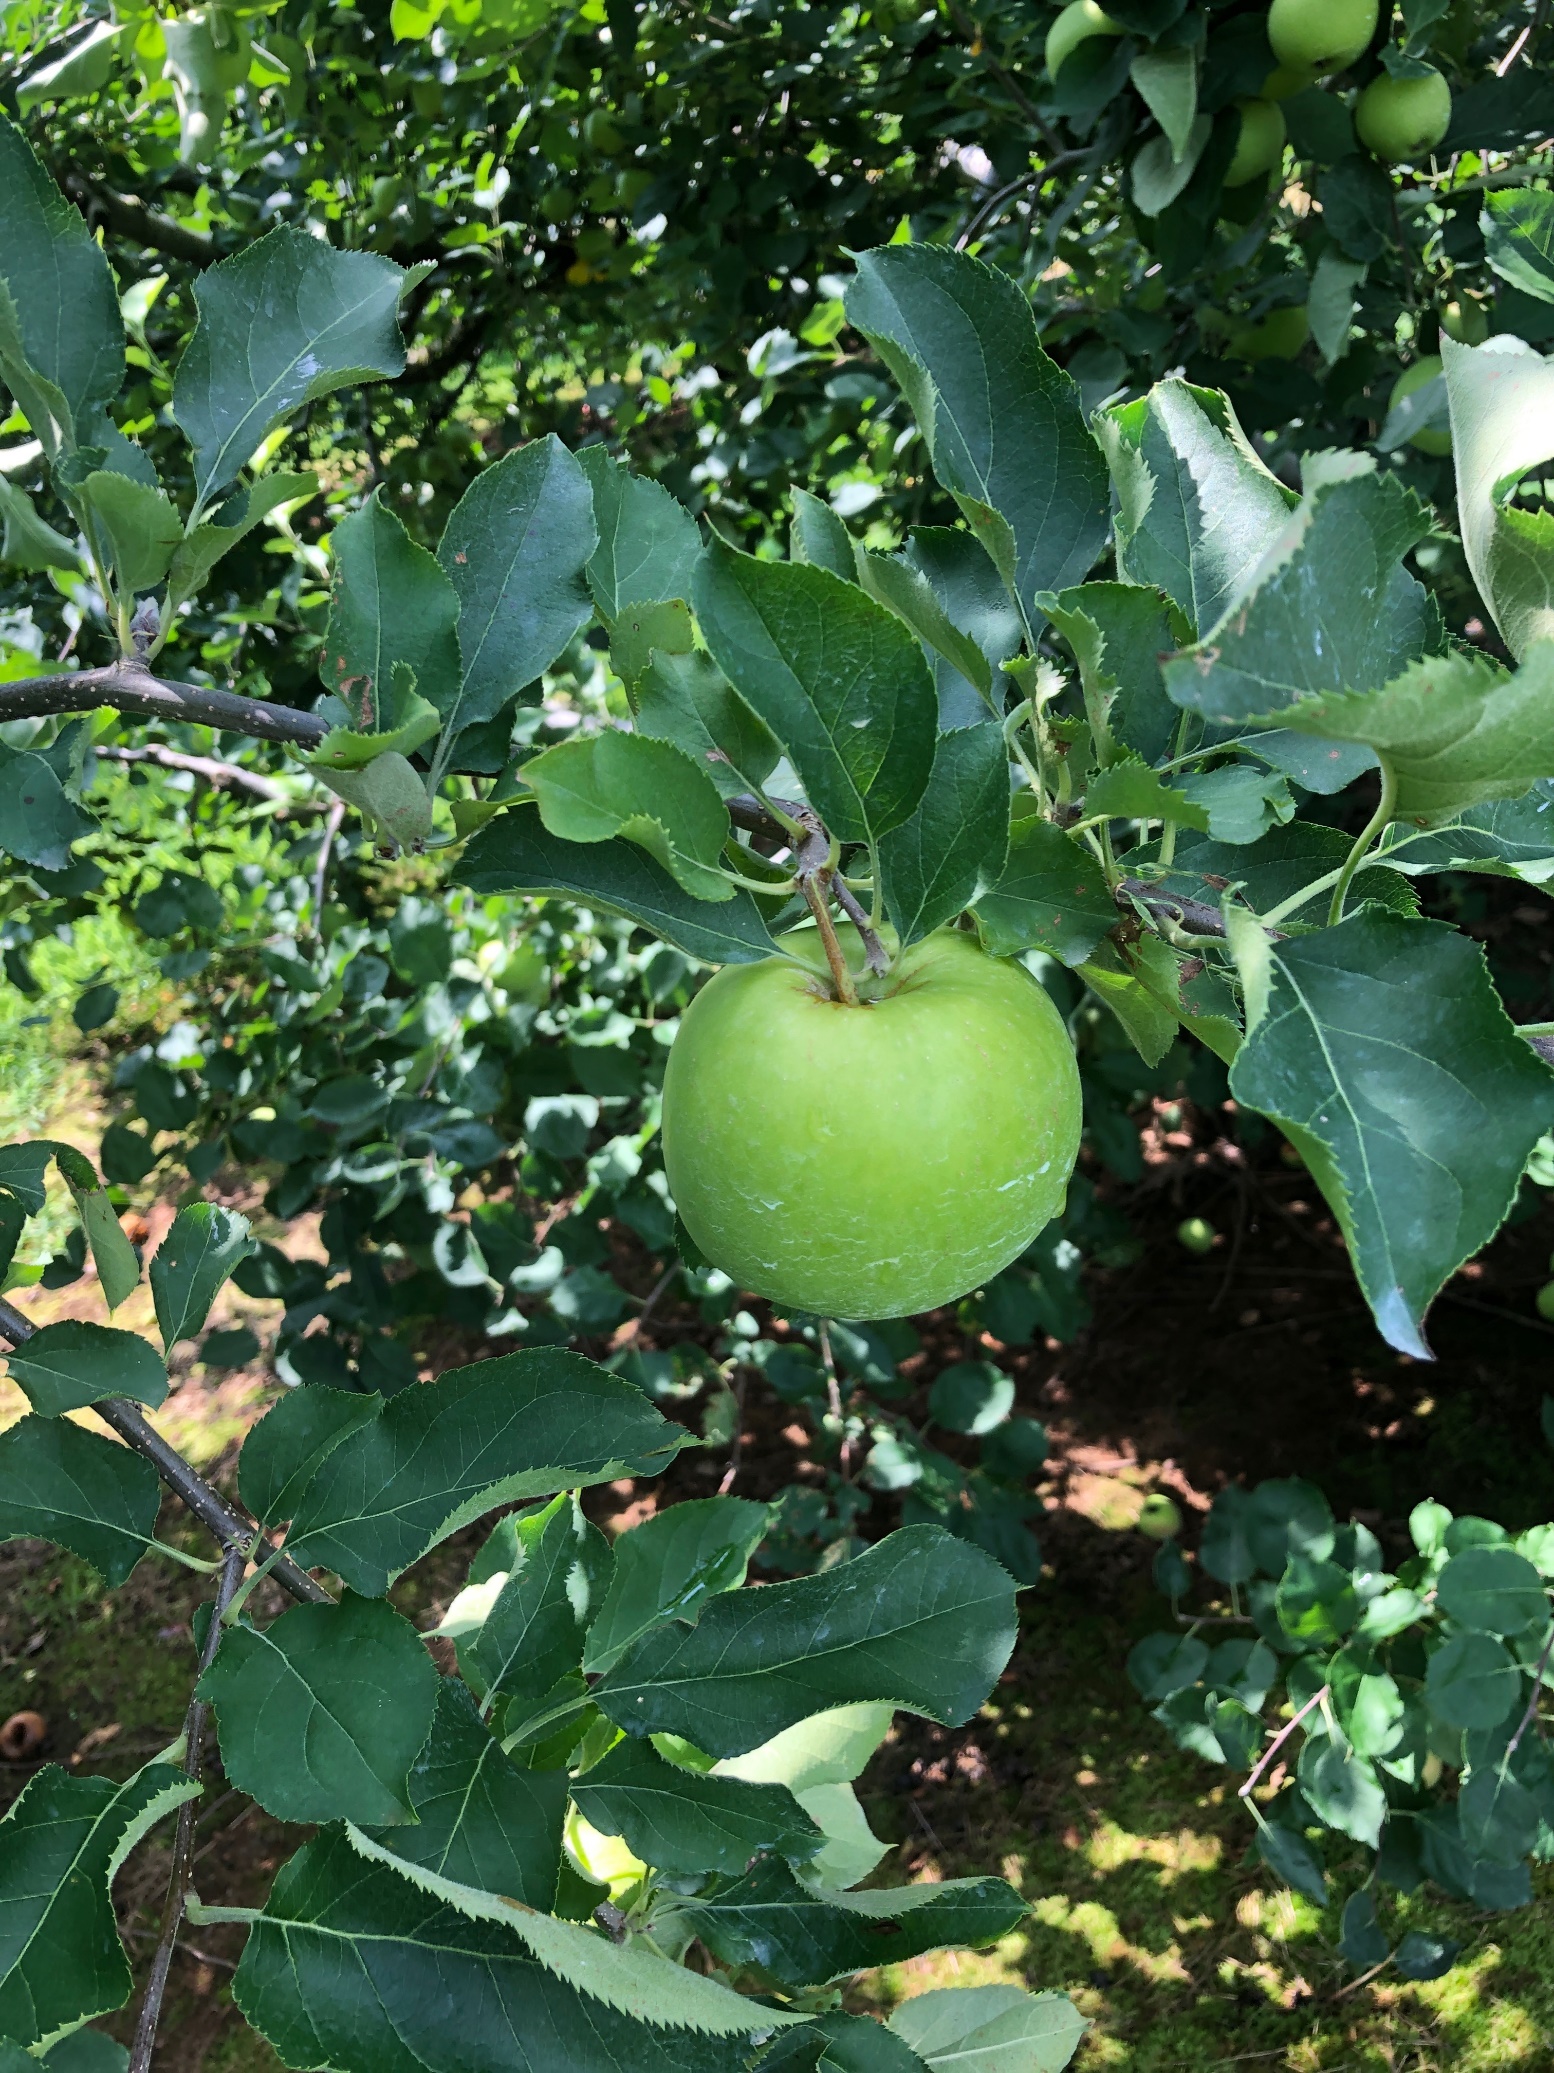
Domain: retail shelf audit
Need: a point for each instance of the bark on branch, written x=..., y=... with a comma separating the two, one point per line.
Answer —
x=140, y=225
x=134, y=690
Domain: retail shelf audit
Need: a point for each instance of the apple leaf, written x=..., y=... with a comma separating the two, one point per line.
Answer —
x=516, y=548
x=198, y=553
x=1119, y=632
x=679, y=1820
x=837, y=678
x=1329, y=607
x=29, y=542
x=1241, y=800
x=291, y=1440
x=801, y=1935
x=998, y=2029
x=1002, y=422
x=282, y=321
x=1510, y=838
x=533, y=1634
x=907, y=592
x=651, y=792
x=139, y=525
x=817, y=535
x=648, y=543
x=1275, y=868
x=66, y=1366
x=972, y=596
x=391, y=608
x=1518, y=227
x=1052, y=896
x=1197, y=508
x=1382, y=1050
x=205, y=1245
x=83, y=1492
x=671, y=1567
x=1130, y=790
x=518, y=853
x=434, y=1458
x=1502, y=426
x=1141, y=983
x=1455, y=731
x=39, y=821
x=687, y=699
x=61, y=1842
x=956, y=843
x=921, y=1620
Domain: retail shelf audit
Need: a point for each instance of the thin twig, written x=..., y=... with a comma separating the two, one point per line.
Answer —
x=1531, y=1714
x=203, y=766
x=841, y=978
x=1245, y=1791
x=834, y=1401
x=182, y=1872
x=736, y=1437
x=874, y=952
x=132, y=689
x=321, y=874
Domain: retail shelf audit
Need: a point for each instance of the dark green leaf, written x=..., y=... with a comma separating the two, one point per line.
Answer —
x=96, y=1006
x=1472, y=1682
x=1052, y=896
x=686, y=1821
x=997, y=2029
x=517, y=853
x=78, y=1490
x=1119, y=632
x=199, y=552
x=38, y=819
x=22, y=1167
x=281, y=321
x=1226, y=1548
x=1518, y=226
x=439, y=1456
x=596, y=786
x=799, y=1935
x=65, y=1366
x=817, y=535
x=906, y=591
x=1361, y=1937
x=1342, y=1789
x=321, y=1716
x=840, y=2043
x=61, y=1841
x=1003, y=424
x=671, y=1566
x=1288, y=1517
x=28, y=541
x=515, y=549
x=1161, y=1664
x=1290, y=1857
x=920, y=1620
x=955, y=846
x=971, y=1396
x=533, y=1634
x=972, y=597
x=480, y=1819
x=283, y=1451
x=1488, y=1590
x=648, y=543
x=391, y=609
x=687, y=699
x=1498, y=1816
x=139, y=525
x=188, y=1268
x=1381, y=1047
x=1421, y=1957
x=837, y=678
x=1275, y=868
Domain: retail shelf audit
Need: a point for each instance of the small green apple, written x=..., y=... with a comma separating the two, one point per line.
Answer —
x=1260, y=144
x=1466, y=320
x=1403, y=118
x=1285, y=81
x=1078, y=22
x=878, y=1160
x=1433, y=439
x=1160, y=1517
x=1325, y=35
x=1196, y=1233
x=1545, y=1301
x=1279, y=336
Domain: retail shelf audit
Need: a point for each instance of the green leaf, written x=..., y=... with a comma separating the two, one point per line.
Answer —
x=1332, y=300
x=1118, y=632
x=1502, y=426
x=1276, y=867
x=1141, y=983
x=80, y=1491
x=391, y=609
x=1290, y=1857
x=679, y=1820
x=479, y=1818
x=1499, y=1817
x=1329, y=607
x=83, y=68
x=1167, y=81
x=1383, y=1051
x=671, y=1567
x=907, y=592
x=290, y=1442
x=1512, y=838
x=1198, y=509
x=515, y=549
x=956, y=844
x=517, y=853
x=388, y=791
x=205, y=1245
x=648, y=543
x=817, y=1760
x=1002, y=423
x=1472, y=1682
x=973, y=599
x=1052, y=896
x=999, y=2029
x=533, y=1634
x=1130, y=790
x=61, y=336
x=839, y=2043
x=838, y=679
x=141, y=527
x=61, y=1842
x=1361, y=1937
x=1454, y=730
x=282, y=322
x=29, y=542
x=799, y=1935
x=22, y=1170
x=439, y=1456
x=686, y=699
x=920, y=1620
x=321, y=1716
x=1342, y=1789
x=38, y=820
x=1518, y=227
x=355, y=1967
x=652, y=793
x=63, y=1367
x=198, y=553
x=816, y=535
x=1241, y=801
x=1489, y=1591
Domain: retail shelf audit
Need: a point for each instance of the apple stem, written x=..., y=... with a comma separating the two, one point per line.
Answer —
x=841, y=978
x=873, y=949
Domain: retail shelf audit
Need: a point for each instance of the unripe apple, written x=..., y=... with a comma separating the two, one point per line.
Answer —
x=874, y=1160
x=1260, y=145
x=1545, y=1301
x=1465, y=320
x=1078, y=22
x=1323, y=34
x=1403, y=118
x=1279, y=336
x=1196, y=1233
x=1160, y=1517
x=1285, y=81
x=1432, y=439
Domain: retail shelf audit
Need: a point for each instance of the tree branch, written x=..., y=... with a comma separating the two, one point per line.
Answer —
x=183, y=1836
x=202, y=766
x=142, y=226
x=133, y=689
x=236, y=1534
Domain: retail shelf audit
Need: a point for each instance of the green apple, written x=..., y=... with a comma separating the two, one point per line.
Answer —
x=876, y=1160
x=1196, y=1233
x=1403, y=118
x=1285, y=81
x=1260, y=144
x=1078, y=22
x=1545, y=1301
x=1466, y=320
x=1279, y=336
x=1160, y=1516
x=1324, y=35
x=1434, y=439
